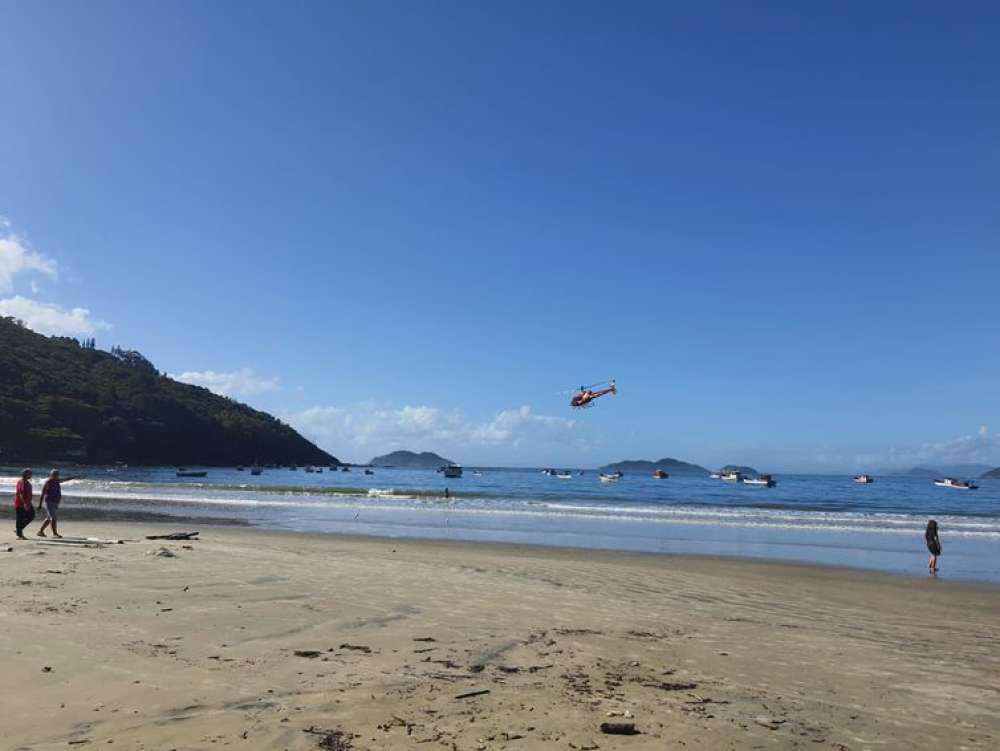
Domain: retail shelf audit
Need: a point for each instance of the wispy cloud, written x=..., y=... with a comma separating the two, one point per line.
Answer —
x=979, y=447
x=17, y=258
x=370, y=428
x=243, y=382
x=47, y=318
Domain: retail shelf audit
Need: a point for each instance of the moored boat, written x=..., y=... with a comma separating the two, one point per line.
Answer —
x=951, y=482
x=451, y=470
x=611, y=476
x=659, y=474
x=256, y=469
x=864, y=479
x=190, y=473
x=731, y=476
x=564, y=475
x=762, y=481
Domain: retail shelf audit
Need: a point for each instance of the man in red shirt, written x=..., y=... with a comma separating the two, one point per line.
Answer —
x=24, y=511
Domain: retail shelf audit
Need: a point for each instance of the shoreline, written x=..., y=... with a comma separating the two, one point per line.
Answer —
x=117, y=516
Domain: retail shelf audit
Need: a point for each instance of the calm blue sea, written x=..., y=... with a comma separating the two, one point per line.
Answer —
x=811, y=518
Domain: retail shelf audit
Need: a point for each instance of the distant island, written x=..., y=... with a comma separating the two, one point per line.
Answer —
x=410, y=460
x=993, y=474
x=949, y=470
x=61, y=401
x=675, y=466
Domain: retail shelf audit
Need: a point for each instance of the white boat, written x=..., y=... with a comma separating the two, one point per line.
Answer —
x=864, y=479
x=762, y=481
x=310, y=468
x=951, y=482
x=451, y=470
x=714, y=476
x=659, y=474
x=731, y=477
x=564, y=475
x=611, y=476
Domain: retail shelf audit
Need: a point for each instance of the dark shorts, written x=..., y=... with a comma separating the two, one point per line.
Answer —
x=23, y=517
x=51, y=510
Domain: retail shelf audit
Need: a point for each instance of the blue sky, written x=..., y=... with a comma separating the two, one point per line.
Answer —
x=414, y=224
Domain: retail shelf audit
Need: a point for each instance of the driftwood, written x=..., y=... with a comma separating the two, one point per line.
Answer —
x=174, y=536
x=470, y=694
x=619, y=728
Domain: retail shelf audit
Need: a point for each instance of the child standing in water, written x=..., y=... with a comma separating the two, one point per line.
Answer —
x=933, y=545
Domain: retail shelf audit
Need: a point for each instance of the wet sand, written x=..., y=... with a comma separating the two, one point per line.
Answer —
x=259, y=640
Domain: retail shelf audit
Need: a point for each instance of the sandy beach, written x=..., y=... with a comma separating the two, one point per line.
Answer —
x=261, y=640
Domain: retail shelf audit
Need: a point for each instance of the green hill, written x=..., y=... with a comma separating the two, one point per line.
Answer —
x=60, y=401
x=410, y=460
x=672, y=466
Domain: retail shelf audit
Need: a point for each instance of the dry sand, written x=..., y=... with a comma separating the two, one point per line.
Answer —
x=113, y=647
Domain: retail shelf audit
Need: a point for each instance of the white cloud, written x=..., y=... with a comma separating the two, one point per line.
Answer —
x=243, y=382
x=17, y=258
x=47, y=318
x=979, y=447
x=369, y=428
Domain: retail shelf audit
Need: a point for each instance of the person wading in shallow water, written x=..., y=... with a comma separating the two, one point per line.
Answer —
x=933, y=545
x=50, y=499
x=24, y=512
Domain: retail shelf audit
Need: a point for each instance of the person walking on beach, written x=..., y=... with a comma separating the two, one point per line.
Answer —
x=933, y=545
x=24, y=511
x=50, y=499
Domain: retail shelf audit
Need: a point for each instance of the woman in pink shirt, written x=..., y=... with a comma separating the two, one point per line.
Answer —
x=24, y=511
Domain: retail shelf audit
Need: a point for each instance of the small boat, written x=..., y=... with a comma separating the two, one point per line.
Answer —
x=864, y=479
x=731, y=477
x=239, y=467
x=714, y=476
x=451, y=470
x=951, y=482
x=548, y=472
x=611, y=476
x=762, y=481
x=345, y=469
x=369, y=472
x=256, y=469
x=659, y=474
x=564, y=475
x=310, y=468
x=333, y=467
x=292, y=468
x=319, y=470
x=190, y=473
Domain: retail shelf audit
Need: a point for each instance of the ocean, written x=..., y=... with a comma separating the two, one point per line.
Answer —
x=822, y=519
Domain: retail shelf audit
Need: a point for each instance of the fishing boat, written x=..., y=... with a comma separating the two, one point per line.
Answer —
x=564, y=475
x=611, y=476
x=659, y=474
x=731, y=476
x=864, y=479
x=762, y=481
x=951, y=482
x=451, y=470
x=190, y=473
